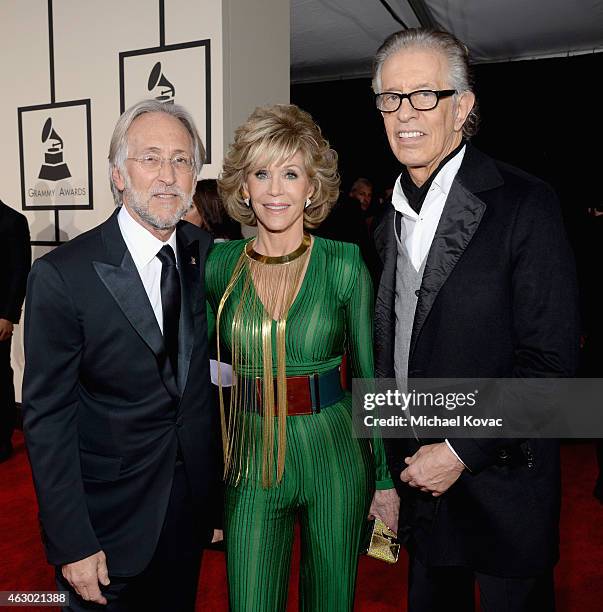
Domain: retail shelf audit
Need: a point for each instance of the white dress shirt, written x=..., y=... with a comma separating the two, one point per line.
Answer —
x=421, y=228
x=143, y=247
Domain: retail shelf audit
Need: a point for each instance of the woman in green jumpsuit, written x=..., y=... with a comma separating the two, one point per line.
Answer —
x=287, y=306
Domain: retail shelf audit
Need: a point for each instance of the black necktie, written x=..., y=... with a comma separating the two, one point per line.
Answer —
x=170, y=303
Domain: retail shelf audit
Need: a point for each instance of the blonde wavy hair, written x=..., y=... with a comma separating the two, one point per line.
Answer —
x=273, y=134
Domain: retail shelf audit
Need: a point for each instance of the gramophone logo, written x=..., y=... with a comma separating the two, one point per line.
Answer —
x=160, y=87
x=169, y=74
x=56, y=155
x=54, y=167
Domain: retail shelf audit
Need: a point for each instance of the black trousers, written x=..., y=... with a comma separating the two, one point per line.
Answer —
x=169, y=583
x=8, y=409
x=452, y=589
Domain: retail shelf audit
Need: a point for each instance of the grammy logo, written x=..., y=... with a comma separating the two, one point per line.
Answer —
x=161, y=87
x=54, y=167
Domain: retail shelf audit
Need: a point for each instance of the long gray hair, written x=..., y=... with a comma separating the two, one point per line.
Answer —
x=118, y=149
x=456, y=53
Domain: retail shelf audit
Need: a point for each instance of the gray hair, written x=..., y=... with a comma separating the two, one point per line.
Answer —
x=360, y=182
x=118, y=149
x=455, y=52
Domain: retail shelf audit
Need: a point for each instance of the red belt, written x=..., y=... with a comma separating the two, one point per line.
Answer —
x=306, y=394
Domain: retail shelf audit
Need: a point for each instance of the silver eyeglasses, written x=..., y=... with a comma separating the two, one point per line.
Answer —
x=421, y=100
x=153, y=163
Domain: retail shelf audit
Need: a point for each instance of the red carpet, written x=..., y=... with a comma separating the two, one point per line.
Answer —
x=381, y=588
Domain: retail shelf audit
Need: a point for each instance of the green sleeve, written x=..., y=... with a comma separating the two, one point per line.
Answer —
x=220, y=263
x=211, y=322
x=359, y=332
x=384, y=479
x=212, y=266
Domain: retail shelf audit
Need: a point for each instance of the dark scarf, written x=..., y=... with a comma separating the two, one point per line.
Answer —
x=416, y=195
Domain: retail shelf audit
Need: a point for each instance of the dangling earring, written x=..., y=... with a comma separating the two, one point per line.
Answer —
x=308, y=202
x=247, y=202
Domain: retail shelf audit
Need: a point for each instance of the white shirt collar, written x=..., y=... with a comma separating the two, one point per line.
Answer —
x=443, y=181
x=143, y=246
x=400, y=201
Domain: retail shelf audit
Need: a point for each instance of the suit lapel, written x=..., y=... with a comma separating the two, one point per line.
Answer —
x=121, y=278
x=190, y=277
x=460, y=219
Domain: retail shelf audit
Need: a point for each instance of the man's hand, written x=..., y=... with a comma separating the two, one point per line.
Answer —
x=434, y=468
x=6, y=329
x=385, y=506
x=84, y=576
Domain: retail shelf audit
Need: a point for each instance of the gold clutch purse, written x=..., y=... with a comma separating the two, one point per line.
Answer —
x=382, y=543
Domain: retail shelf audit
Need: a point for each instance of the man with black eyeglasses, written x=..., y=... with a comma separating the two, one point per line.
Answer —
x=478, y=282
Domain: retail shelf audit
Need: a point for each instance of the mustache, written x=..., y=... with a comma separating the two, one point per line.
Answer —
x=167, y=191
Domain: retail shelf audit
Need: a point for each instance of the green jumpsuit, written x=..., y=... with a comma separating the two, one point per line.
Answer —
x=329, y=475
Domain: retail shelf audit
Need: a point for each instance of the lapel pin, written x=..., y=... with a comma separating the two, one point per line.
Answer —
x=193, y=261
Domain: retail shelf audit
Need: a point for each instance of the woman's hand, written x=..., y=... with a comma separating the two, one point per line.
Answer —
x=218, y=536
x=385, y=506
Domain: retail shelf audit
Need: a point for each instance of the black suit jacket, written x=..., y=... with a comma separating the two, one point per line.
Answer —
x=103, y=412
x=15, y=255
x=498, y=300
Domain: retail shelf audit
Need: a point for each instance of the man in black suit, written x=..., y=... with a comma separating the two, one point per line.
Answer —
x=478, y=282
x=15, y=255
x=118, y=417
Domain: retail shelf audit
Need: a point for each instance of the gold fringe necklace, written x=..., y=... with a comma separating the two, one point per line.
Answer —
x=269, y=286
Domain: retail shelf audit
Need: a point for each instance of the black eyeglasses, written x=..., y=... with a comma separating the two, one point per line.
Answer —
x=421, y=100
